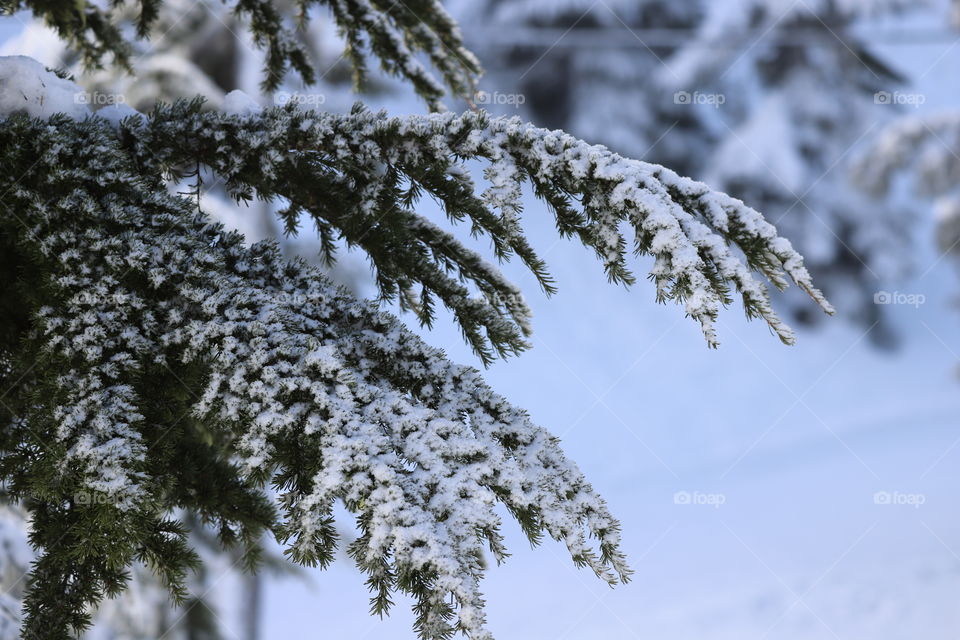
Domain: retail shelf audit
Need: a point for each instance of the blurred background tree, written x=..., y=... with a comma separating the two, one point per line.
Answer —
x=768, y=100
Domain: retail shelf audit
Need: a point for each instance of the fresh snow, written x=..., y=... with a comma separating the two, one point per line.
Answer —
x=115, y=113
x=28, y=87
x=238, y=103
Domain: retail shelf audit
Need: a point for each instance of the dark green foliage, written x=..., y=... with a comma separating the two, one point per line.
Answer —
x=395, y=32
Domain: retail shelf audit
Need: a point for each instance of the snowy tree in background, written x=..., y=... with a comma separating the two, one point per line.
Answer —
x=577, y=67
x=158, y=369
x=802, y=98
x=921, y=151
x=764, y=99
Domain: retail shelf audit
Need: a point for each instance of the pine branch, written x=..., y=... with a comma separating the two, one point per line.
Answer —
x=331, y=396
x=161, y=366
x=351, y=175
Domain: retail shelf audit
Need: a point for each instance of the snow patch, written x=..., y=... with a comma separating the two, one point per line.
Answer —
x=238, y=103
x=117, y=112
x=28, y=87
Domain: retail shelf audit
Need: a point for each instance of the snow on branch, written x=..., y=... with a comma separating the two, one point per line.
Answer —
x=359, y=176
x=149, y=307
x=159, y=364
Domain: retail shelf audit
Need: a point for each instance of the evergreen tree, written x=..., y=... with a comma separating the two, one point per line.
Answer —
x=158, y=369
x=193, y=49
x=922, y=152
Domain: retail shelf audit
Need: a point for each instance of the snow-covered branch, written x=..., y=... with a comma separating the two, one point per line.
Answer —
x=334, y=397
x=358, y=175
x=158, y=363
